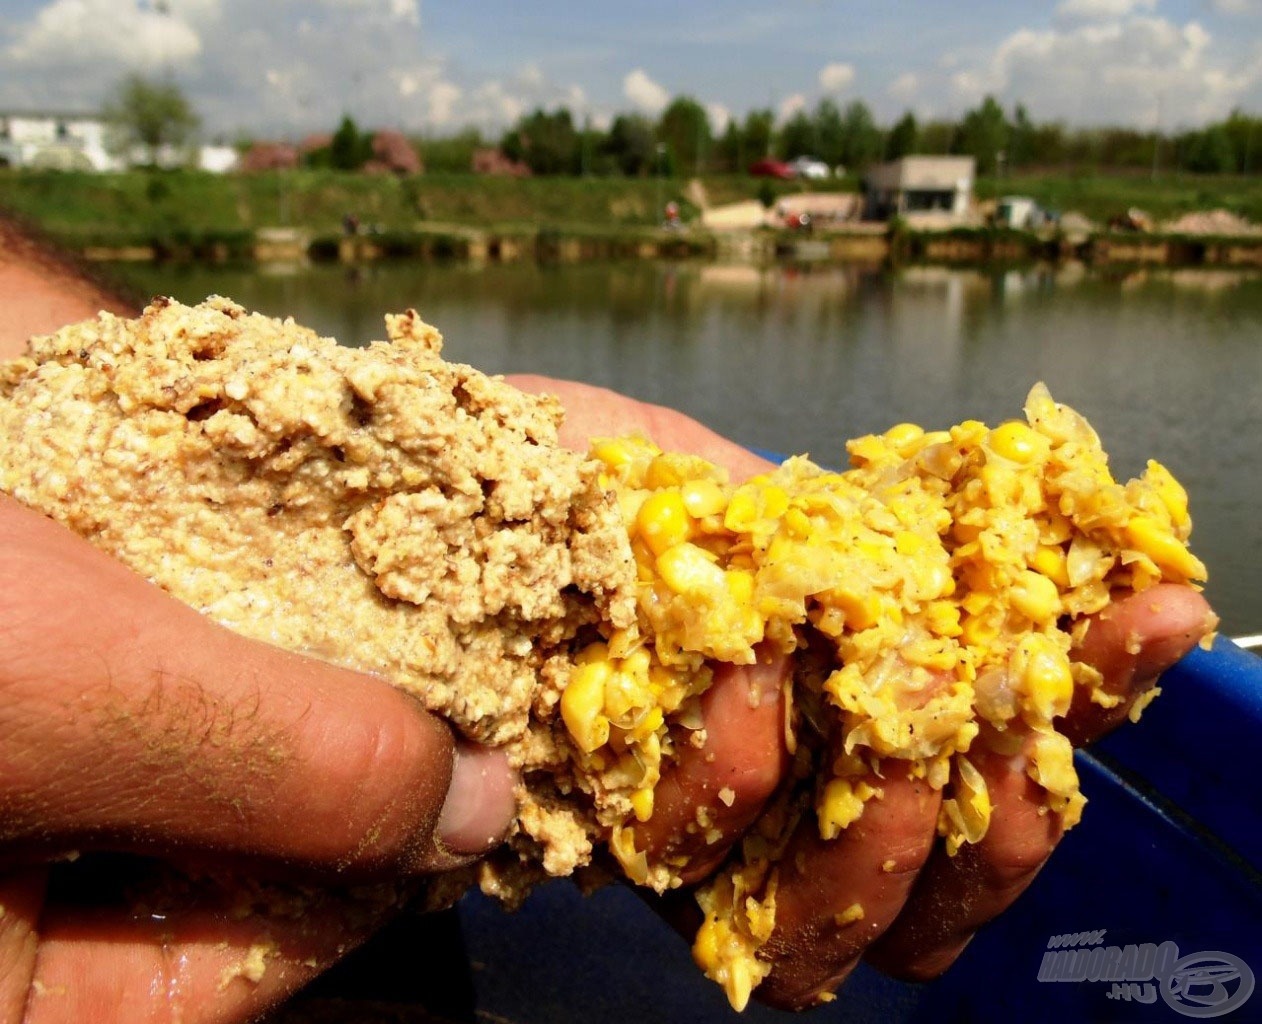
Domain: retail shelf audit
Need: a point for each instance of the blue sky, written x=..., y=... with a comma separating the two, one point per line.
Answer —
x=286, y=67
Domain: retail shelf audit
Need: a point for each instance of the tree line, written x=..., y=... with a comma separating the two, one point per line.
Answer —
x=682, y=141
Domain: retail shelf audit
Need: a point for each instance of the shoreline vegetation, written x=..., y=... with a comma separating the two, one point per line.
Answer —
x=304, y=215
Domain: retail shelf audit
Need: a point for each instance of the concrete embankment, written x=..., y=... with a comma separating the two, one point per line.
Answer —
x=854, y=242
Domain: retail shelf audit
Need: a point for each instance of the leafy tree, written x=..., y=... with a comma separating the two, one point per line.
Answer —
x=150, y=113
x=797, y=136
x=729, y=155
x=983, y=134
x=904, y=138
x=830, y=133
x=452, y=154
x=1245, y=135
x=758, y=132
x=937, y=137
x=1020, y=138
x=630, y=144
x=862, y=138
x=546, y=142
x=1208, y=151
x=349, y=148
x=684, y=128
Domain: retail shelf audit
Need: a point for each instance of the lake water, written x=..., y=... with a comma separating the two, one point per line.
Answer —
x=1166, y=365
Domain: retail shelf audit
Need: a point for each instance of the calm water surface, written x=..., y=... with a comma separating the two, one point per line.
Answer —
x=1165, y=365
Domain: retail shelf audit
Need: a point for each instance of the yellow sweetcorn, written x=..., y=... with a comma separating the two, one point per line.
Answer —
x=1018, y=442
x=1164, y=548
x=1035, y=596
x=663, y=520
x=1043, y=676
x=1049, y=560
x=931, y=582
x=842, y=804
x=583, y=704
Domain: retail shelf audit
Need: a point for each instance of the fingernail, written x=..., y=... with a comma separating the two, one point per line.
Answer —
x=480, y=802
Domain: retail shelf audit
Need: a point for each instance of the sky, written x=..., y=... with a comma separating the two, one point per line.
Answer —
x=284, y=68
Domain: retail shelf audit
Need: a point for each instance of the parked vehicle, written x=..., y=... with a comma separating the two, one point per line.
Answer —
x=810, y=168
x=771, y=169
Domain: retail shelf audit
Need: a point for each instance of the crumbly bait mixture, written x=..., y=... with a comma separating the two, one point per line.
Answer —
x=413, y=517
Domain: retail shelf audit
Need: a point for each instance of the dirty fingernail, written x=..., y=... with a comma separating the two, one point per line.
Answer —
x=480, y=802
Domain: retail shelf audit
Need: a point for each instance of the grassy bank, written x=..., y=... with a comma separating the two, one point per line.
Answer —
x=1100, y=197
x=196, y=216
x=100, y=209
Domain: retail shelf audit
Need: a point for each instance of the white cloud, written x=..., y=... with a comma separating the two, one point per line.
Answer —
x=1135, y=69
x=441, y=101
x=904, y=87
x=119, y=33
x=789, y=106
x=406, y=11
x=836, y=76
x=1094, y=10
x=644, y=93
x=720, y=117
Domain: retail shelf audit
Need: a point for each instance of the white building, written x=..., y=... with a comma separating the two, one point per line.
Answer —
x=77, y=141
x=70, y=141
x=939, y=186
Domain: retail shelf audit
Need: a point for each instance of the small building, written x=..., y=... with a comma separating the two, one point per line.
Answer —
x=939, y=185
x=58, y=139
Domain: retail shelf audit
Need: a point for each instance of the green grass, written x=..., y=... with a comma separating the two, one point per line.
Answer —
x=1103, y=196
x=190, y=210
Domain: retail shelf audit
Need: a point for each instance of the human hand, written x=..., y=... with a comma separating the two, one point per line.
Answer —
x=920, y=906
x=131, y=724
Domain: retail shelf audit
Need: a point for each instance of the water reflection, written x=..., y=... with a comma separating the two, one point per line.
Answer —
x=1165, y=364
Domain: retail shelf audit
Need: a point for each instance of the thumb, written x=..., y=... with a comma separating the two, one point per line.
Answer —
x=129, y=721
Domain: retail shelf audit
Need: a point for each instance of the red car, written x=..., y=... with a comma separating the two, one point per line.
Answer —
x=771, y=169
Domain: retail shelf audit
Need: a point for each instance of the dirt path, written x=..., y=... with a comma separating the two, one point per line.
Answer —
x=42, y=289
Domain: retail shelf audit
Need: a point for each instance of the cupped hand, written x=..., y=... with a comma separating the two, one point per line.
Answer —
x=920, y=906
x=131, y=724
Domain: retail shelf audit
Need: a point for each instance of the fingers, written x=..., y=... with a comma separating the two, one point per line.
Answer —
x=134, y=722
x=954, y=896
x=835, y=897
x=598, y=412
x=1130, y=643
x=21, y=896
x=196, y=963
x=713, y=792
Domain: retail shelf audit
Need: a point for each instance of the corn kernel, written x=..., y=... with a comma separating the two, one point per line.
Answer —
x=582, y=704
x=642, y=804
x=1017, y=442
x=742, y=509
x=1035, y=596
x=703, y=498
x=903, y=437
x=978, y=631
x=1170, y=491
x=688, y=569
x=908, y=543
x=597, y=652
x=663, y=521
x=740, y=585
x=841, y=805
x=775, y=501
x=1043, y=675
x=1147, y=536
x=617, y=452
x=798, y=523
x=1049, y=560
